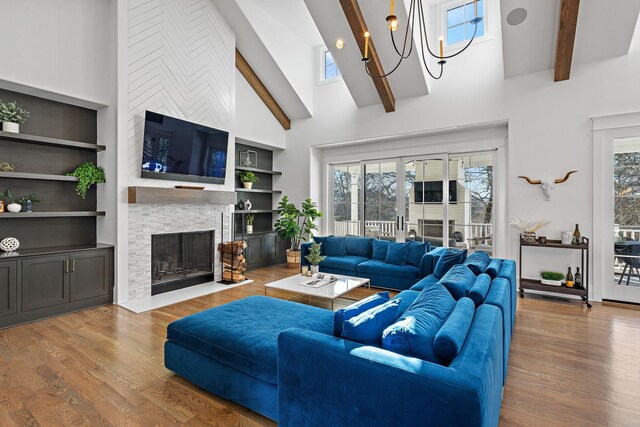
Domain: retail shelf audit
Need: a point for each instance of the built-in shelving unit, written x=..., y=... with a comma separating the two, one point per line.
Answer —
x=264, y=246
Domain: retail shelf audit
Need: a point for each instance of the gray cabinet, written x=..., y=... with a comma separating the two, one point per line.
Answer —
x=263, y=249
x=8, y=287
x=45, y=281
x=35, y=286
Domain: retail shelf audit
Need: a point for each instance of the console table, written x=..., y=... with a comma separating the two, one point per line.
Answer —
x=536, y=285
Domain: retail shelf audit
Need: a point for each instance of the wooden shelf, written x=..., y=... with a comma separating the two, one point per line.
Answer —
x=255, y=170
x=31, y=215
x=555, y=244
x=37, y=176
x=52, y=142
x=257, y=190
x=255, y=211
x=536, y=285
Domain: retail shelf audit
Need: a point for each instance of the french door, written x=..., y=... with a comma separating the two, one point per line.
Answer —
x=445, y=199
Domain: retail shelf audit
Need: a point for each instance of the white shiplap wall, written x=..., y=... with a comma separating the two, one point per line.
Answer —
x=181, y=57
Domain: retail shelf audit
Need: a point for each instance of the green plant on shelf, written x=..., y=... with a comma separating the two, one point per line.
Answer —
x=314, y=256
x=250, y=219
x=88, y=174
x=8, y=197
x=248, y=176
x=552, y=275
x=11, y=112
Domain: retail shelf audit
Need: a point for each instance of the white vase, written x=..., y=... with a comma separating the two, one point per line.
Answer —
x=249, y=229
x=11, y=127
x=315, y=269
x=14, y=207
x=247, y=185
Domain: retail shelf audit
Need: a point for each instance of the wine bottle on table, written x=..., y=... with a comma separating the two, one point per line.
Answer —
x=577, y=237
x=569, y=279
x=577, y=280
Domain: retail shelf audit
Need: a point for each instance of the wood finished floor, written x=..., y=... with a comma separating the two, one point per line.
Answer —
x=104, y=366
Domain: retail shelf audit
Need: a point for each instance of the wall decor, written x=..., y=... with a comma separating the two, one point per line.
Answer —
x=247, y=205
x=6, y=167
x=547, y=185
x=9, y=244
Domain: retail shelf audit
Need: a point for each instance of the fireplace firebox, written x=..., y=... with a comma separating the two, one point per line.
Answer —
x=180, y=260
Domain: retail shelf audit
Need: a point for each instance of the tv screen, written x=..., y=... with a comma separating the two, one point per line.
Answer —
x=431, y=192
x=178, y=150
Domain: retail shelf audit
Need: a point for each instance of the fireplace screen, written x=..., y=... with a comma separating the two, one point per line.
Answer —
x=179, y=260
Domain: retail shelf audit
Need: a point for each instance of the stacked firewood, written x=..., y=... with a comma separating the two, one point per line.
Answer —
x=233, y=261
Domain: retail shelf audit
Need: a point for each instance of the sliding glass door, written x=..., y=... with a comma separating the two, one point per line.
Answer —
x=380, y=199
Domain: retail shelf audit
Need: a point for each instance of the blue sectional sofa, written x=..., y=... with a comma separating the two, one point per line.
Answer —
x=283, y=360
x=370, y=258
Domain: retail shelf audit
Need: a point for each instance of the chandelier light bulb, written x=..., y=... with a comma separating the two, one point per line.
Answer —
x=392, y=20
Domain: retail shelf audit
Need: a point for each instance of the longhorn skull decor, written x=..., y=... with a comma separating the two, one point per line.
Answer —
x=547, y=184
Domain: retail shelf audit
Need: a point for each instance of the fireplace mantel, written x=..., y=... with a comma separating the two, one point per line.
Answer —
x=165, y=196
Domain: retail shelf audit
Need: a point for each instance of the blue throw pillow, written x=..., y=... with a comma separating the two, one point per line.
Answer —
x=458, y=281
x=359, y=246
x=335, y=246
x=367, y=327
x=493, y=268
x=321, y=240
x=413, y=334
x=380, y=249
x=450, y=338
x=447, y=260
x=397, y=253
x=480, y=289
x=416, y=252
x=477, y=262
x=357, y=308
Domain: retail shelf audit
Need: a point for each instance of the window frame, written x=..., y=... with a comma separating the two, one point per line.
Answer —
x=321, y=66
x=445, y=7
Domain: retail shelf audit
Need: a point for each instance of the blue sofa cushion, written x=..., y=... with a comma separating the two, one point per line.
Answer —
x=244, y=334
x=397, y=253
x=450, y=338
x=493, y=268
x=380, y=250
x=416, y=252
x=477, y=262
x=413, y=334
x=424, y=282
x=367, y=327
x=348, y=263
x=359, y=246
x=321, y=240
x=478, y=292
x=356, y=308
x=447, y=259
x=381, y=268
x=335, y=246
x=458, y=281
x=407, y=297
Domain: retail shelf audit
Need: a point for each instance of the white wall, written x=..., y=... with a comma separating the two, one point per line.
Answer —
x=549, y=130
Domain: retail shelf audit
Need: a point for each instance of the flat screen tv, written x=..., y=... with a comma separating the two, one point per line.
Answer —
x=178, y=150
x=431, y=192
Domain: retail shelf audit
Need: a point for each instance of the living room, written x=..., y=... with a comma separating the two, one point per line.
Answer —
x=486, y=189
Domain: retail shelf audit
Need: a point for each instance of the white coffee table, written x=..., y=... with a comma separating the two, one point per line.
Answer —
x=330, y=291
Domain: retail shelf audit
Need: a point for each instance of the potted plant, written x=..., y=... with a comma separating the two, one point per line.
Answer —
x=250, y=219
x=295, y=225
x=314, y=257
x=14, y=204
x=552, y=278
x=88, y=174
x=248, y=178
x=12, y=116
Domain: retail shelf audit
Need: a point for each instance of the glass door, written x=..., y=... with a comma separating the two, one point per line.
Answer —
x=346, y=199
x=625, y=283
x=380, y=200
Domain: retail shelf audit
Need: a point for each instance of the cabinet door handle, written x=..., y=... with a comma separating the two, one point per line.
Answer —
x=66, y=266
x=73, y=265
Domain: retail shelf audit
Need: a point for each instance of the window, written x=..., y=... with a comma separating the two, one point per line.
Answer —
x=458, y=18
x=329, y=69
x=346, y=194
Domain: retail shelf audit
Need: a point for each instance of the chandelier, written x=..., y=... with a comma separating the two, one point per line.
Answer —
x=416, y=11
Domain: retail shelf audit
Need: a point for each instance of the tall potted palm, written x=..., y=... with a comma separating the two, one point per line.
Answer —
x=296, y=225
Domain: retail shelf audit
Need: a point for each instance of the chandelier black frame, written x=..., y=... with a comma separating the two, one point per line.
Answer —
x=416, y=8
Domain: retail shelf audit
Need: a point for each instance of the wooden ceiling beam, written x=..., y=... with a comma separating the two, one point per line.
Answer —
x=358, y=26
x=566, y=39
x=254, y=81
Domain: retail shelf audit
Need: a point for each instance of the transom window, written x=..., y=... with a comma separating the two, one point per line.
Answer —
x=458, y=21
x=329, y=69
